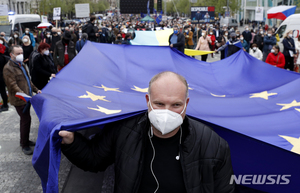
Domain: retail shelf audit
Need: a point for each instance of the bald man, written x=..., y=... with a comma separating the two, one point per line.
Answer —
x=162, y=151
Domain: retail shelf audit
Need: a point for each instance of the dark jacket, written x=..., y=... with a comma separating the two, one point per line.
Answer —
x=288, y=45
x=205, y=157
x=59, y=53
x=55, y=39
x=259, y=40
x=90, y=31
x=15, y=81
x=180, y=42
x=15, y=41
x=4, y=57
x=43, y=67
x=269, y=42
x=247, y=35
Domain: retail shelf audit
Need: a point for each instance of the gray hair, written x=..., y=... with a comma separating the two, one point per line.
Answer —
x=161, y=74
x=84, y=36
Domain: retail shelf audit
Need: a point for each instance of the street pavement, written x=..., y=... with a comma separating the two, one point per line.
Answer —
x=18, y=174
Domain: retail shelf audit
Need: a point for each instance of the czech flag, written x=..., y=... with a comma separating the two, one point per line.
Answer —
x=281, y=12
x=23, y=96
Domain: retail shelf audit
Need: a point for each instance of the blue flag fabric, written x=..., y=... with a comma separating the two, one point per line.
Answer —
x=251, y=104
x=148, y=7
x=142, y=15
x=159, y=18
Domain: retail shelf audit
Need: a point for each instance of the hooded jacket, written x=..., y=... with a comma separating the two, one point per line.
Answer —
x=204, y=156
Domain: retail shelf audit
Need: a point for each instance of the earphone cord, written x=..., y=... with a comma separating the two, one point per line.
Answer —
x=151, y=164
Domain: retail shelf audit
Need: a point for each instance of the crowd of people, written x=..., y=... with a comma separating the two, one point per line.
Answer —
x=39, y=54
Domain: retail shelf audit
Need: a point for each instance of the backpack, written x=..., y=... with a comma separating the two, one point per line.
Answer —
x=31, y=61
x=84, y=28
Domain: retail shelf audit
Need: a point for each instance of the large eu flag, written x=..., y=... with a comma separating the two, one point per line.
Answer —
x=251, y=104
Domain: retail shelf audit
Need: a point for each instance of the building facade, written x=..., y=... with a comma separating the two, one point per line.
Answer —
x=17, y=6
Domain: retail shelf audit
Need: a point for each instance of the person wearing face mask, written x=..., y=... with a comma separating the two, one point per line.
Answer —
x=110, y=35
x=203, y=44
x=259, y=39
x=153, y=151
x=177, y=40
x=55, y=38
x=47, y=39
x=221, y=42
x=127, y=39
x=269, y=42
x=89, y=29
x=256, y=52
x=101, y=36
x=43, y=67
x=289, y=50
x=15, y=40
x=27, y=49
x=2, y=34
x=80, y=43
x=64, y=51
x=232, y=46
x=245, y=44
x=188, y=34
x=4, y=55
x=17, y=80
x=276, y=58
x=247, y=34
x=31, y=36
x=213, y=41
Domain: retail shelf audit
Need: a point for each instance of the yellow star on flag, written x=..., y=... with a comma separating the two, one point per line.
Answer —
x=144, y=90
x=93, y=97
x=264, y=95
x=108, y=89
x=104, y=110
x=297, y=109
x=289, y=105
x=294, y=141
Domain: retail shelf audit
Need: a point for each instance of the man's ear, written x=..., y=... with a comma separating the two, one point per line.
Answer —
x=147, y=98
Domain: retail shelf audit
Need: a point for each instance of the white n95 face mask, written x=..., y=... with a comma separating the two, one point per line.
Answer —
x=165, y=120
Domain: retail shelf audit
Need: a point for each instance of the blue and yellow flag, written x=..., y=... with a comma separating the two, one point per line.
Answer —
x=251, y=104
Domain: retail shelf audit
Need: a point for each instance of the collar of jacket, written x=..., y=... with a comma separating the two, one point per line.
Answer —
x=13, y=63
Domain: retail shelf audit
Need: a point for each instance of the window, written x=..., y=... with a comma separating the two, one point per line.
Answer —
x=281, y=31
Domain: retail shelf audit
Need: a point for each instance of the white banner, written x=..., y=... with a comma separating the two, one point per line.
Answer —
x=56, y=13
x=259, y=13
x=44, y=19
x=82, y=10
x=3, y=10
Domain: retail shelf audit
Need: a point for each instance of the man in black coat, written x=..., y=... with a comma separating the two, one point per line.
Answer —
x=162, y=150
x=90, y=29
x=177, y=40
x=259, y=39
x=247, y=34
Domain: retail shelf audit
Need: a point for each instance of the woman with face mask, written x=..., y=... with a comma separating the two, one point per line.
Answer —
x=203, y=44
x=15, y=40
x=213, y=40
x=256, y=52
x=244, y=43
x=43, y=67
x=276, y=58
x=289, y=50
x=27, y=48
